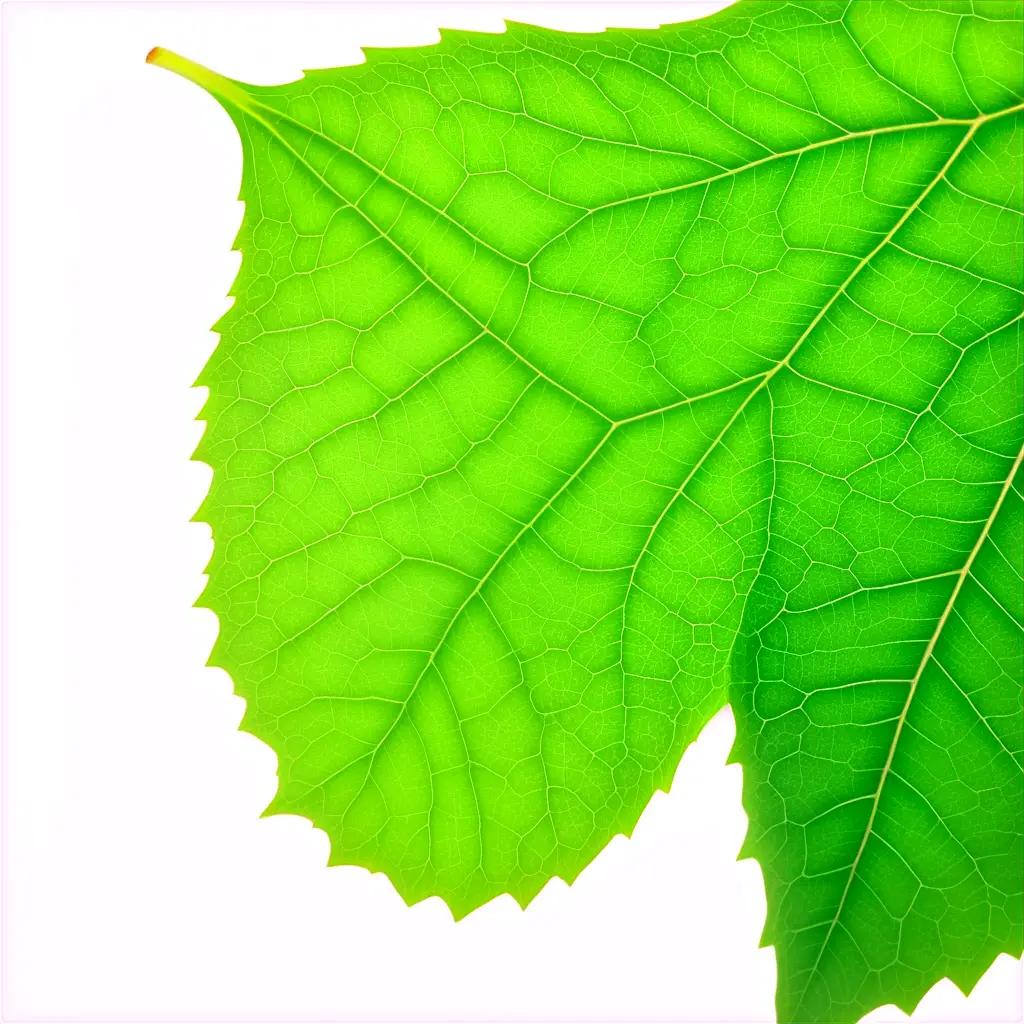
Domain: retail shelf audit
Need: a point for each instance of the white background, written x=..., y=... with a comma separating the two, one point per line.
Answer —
x=140, y=880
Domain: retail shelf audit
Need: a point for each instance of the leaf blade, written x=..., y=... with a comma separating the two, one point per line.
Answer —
x=491, y=491
x=850, y=752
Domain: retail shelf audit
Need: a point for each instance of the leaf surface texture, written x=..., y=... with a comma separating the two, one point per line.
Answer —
x=577, y=384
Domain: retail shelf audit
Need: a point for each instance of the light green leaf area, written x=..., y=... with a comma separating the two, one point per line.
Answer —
x=573, y=379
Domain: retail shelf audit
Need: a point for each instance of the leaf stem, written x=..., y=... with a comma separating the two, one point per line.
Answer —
x=217, y=85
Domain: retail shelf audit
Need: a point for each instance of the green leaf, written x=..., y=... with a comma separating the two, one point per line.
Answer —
x=878, y=681
x=573, y=379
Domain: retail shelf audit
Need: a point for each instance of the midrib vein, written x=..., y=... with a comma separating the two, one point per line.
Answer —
x=962, y=574
x=961, y=578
